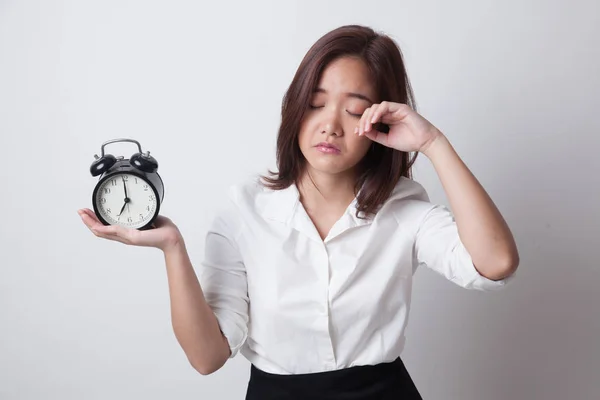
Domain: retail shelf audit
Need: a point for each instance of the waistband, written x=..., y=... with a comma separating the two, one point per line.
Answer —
x=353, y=383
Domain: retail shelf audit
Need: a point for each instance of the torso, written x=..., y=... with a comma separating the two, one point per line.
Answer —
x=321, y=290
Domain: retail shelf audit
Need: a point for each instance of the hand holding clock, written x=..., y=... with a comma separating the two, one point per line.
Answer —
x=164, y=236
x=143, y=191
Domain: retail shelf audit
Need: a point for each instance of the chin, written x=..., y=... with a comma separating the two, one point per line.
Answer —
x=329, y=166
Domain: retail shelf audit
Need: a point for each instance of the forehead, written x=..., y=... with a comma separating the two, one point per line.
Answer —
x=347, y=74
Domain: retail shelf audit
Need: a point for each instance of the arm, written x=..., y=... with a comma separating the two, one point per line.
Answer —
x=481, y=227
x=194, y=323
x=210, y=322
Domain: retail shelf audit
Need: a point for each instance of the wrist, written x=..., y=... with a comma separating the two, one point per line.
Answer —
x=437, y=144
x=174, y=244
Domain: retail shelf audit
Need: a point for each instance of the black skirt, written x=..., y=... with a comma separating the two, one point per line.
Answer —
x=370, y=382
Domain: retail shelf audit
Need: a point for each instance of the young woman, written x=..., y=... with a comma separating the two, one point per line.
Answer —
x=308, y=271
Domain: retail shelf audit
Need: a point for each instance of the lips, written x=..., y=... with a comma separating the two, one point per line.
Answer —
x=329, y=146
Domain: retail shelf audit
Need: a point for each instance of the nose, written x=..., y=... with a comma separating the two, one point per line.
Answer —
x=329, y=130
x=330, y=125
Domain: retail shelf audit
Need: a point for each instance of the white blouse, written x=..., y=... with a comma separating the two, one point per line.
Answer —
x=293, y=303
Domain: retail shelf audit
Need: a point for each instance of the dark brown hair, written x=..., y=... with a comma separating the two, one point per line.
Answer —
x=382, y=167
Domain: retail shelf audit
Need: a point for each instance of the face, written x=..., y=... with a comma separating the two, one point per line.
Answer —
x=327, y=139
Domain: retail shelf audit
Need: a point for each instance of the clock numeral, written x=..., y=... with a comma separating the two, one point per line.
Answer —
x=103, y=200
x=151, y=197
x=108, y=210
x=147, y=208
x=125, y=178
x=106, y=190
x=129, y=219
x=114, y=182
x=136, y=181
x=145, y=188
x=141, y=217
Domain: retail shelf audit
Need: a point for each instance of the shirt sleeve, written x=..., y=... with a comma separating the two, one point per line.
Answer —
x=223, y=278
x=438, y=246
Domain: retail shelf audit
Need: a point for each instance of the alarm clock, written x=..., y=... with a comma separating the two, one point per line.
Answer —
x=129, y=191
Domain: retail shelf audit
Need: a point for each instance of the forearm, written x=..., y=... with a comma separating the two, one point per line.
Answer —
x=482, y=229
x=194, y=323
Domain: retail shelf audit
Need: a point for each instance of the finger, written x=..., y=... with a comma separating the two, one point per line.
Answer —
x=99, y=229
x=400, y=110
x=104, y=235
x=88, y=221
x=377, y=136
x=114, y=232
x=82, y=212
x=373, y=109
x=89, y=213
x=113, y=238
x=383, y=109
x=361, y=123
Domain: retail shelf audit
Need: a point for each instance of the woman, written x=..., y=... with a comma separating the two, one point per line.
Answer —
x=308, y=271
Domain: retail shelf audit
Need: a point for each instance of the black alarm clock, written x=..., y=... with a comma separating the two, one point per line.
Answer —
x=130, y=191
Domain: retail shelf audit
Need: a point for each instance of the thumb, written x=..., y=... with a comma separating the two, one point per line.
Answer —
x=378, y=136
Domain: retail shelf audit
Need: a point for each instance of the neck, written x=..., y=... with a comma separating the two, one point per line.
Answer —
x=319, y=189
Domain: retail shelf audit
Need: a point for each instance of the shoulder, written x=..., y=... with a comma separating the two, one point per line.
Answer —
x=248, y=193
x=408, y=189
x=251, y=198
x=408, y=201
x=237, y=202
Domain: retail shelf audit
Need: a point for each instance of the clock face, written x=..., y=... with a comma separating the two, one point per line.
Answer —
x=127, y=200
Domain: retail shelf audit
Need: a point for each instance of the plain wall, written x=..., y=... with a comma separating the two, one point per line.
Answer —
x=513, y=84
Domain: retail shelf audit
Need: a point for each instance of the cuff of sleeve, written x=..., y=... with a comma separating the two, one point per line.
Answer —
x=235, y=333
x=474, y=280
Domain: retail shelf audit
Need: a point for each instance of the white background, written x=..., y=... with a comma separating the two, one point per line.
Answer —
x=513, y=84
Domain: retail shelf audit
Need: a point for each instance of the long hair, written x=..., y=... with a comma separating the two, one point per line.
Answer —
x=382, y=167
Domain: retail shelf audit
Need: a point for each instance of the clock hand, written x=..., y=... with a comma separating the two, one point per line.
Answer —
x=124, y=186
x=122, y=208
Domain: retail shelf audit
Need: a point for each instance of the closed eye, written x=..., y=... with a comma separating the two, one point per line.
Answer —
x=312, y=107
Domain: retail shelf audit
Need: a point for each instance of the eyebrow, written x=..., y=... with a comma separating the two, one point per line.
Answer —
x=349, y=94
